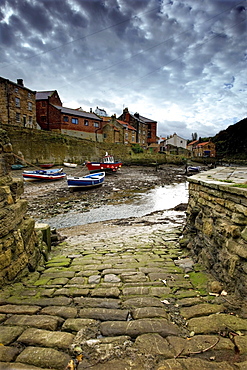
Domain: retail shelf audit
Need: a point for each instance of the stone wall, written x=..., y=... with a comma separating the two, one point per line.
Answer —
x=20, y=245
x=216, y=229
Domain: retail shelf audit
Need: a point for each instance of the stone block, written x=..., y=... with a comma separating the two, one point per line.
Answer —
x=46, y=338
x=137, y=327
x=40, y=321
x=44, y=357
x=46, y=232
x=104, y=314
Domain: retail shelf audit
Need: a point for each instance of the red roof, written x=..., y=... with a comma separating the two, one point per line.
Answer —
x=202, y=144
x=193, y=142
x=126, y=124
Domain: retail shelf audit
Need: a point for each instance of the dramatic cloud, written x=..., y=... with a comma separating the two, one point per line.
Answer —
x=179, y=62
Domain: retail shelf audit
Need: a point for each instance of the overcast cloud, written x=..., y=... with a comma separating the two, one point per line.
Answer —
x=179, y=62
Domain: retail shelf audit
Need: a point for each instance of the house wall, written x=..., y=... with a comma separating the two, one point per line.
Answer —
x=177, y=141
x=205, y=150
x=45, y=111
x=216, y=230
x=141, y=128
x=23, y=115
x=152, y=132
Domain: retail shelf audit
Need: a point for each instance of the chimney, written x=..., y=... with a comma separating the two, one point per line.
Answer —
x=20, y=82
x=91, y=110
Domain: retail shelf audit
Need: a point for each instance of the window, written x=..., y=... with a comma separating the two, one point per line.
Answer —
x=30, y=106
x=43, y=103
x=30, y=121
x=96, y=124
x=75, y=121
x=65, y=118
x=29, y=95
x=105, y=136
x=43, y=118
x=85, y=122
x=133, y=138
x=17, y=102
x=17, y=117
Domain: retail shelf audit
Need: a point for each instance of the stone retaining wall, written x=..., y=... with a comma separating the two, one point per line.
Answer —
x=20, y=245
x=216, y=231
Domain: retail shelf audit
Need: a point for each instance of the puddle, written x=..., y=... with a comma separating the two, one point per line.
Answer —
x=157, y=199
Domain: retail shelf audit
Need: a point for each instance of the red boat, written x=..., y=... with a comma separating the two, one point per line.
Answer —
x=106, y=164
x=46, y=165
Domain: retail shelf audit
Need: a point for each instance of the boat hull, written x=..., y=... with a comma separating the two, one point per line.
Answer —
x=44, y=175
x=72, y=165
x=94, y=167
x=86, y=182
x=46, y=165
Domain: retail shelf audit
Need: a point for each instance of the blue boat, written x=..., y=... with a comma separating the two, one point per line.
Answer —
x=85, y=182
x=44, y=175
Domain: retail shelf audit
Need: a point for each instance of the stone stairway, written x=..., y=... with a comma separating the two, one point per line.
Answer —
x=121, y=295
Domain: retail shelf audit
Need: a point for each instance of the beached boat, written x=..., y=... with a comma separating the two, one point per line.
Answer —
x=106, y=164
x=85, y=182
x=46, y=165
x=72, y=165
x=44, y=175
x=17, y=166
x=194, y=169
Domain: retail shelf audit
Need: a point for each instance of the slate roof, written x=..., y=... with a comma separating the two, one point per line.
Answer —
x=44, y=95
x=77, y=113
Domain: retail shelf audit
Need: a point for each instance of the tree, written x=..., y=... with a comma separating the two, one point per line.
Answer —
x=194, y=136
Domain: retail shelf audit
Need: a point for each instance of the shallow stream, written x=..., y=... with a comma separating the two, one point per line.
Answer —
x=157, y=199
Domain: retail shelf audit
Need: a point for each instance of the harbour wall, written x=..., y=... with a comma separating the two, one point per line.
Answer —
x=22, y=246
x=216, y=226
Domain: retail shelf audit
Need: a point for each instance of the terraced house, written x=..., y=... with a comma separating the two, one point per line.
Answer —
x=17, y=104
x=52, y=116
x=146, y=129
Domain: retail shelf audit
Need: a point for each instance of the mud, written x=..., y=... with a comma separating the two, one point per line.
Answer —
x=49, y=199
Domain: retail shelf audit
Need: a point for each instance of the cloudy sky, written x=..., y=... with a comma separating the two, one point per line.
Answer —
x=181, y=63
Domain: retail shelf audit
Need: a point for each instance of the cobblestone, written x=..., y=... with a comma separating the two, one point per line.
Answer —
x=128, y=303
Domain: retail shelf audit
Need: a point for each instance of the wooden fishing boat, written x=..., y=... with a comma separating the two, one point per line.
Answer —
x=72, y=165
x=46, y=165
x=194, y=169
x=44, y=175
x=106, y=164
x=85, y=182
x=17, y=166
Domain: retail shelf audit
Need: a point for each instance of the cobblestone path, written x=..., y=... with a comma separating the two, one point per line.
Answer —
x=121, y=296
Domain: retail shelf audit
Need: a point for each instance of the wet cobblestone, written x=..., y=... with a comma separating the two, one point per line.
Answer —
x=121, y=296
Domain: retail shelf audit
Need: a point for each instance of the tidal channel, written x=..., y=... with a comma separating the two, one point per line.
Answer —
x=163, y=198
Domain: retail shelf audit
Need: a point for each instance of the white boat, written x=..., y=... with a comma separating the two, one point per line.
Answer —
x=85, y=182
x=44, y=175
x=72, y=165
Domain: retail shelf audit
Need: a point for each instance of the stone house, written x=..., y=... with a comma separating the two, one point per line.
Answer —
x=145, y=128
x=52, y=116
x=17, y=104
x=116, y=131
x=202, y=149
x=173, y=144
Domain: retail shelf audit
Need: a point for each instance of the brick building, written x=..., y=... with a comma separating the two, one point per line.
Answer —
x=51, y=115
x=17, y=104
x=146, y=129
